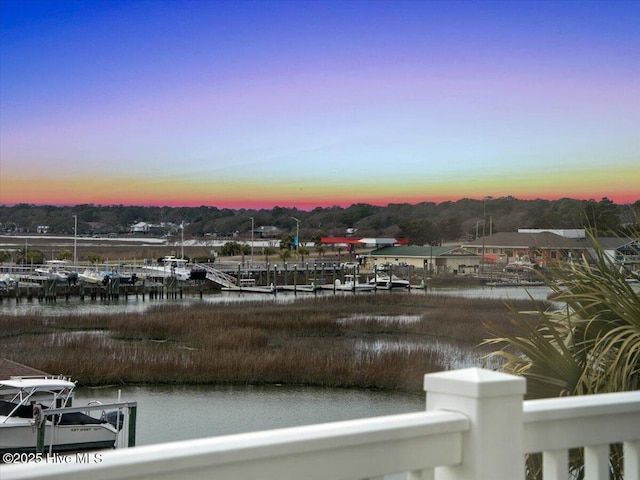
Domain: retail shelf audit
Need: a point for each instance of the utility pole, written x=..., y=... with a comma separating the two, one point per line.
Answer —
x=75, y=241
x=297, y=233
x=484, y=222
x=252, y=228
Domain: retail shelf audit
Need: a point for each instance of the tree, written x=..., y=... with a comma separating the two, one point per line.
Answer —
x=450, y=228
x=603, y=217
x=29, y=255
x=284, y=254
x=94, y=258
x=302, y=251
x=65, y=254
x=591, y=346
x=287, y=242
x=230, y=249
x=420, y=232
x=266, y=251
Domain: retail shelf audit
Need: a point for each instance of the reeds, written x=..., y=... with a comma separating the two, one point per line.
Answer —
x=305, y=342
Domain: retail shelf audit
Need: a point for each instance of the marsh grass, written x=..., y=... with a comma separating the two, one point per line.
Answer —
x=303, y=342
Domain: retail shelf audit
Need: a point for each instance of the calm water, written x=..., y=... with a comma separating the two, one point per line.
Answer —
x=169, y=413
x=133, y=304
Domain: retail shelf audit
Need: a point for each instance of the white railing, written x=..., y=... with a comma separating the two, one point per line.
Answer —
x=476, y=427
x=217, y=276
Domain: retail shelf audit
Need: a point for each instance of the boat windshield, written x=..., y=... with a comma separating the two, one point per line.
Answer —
x=50, y=392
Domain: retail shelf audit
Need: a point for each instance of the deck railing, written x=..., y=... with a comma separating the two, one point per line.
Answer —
x=476, y=426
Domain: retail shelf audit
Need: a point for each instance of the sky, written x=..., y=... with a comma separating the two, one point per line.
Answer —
x=295, y=103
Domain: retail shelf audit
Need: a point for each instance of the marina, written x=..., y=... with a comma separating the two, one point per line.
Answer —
x=172, y=277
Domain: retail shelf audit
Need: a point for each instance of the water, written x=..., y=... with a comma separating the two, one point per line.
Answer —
x=173, y=413
x=505, y=293
x=75, y=306
x=170, y=413
x=133, y=304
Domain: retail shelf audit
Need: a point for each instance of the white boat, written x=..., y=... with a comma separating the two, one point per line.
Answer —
x=520, y=265
x=20, y=416
x=384, y=281
x=7, y=281
x=57, y=270
x=352, y=284
x=91, y=276
x=170, y=266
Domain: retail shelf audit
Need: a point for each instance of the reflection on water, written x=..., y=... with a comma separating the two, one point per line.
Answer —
x=388, y=319
x=451, y=353
x=169, y=413
x=133, y=304
x=506, y=293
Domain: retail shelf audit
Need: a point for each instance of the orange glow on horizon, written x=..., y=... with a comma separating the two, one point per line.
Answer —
x=621, y=189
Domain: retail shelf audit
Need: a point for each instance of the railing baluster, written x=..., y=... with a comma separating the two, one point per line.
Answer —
x=631, y=460
x=596, y=462
x=555, y=464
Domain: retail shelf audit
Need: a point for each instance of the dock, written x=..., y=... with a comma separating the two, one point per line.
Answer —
x=133, y=280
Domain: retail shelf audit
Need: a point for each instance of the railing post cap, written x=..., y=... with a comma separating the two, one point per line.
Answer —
x=475, y=383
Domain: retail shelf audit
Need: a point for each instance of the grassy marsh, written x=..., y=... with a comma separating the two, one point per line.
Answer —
x=343, y=341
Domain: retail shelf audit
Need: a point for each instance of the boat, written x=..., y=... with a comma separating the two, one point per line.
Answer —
x=7, y=281
x=352, y=284
x=57, y=270
x=104, y=277
x=91, y=276
x=384, y=281
x=22, y=403
x=520, y=265
x=123, y=278
x=170, y=266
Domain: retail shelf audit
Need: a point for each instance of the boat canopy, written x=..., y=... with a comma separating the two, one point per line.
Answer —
x=39, y=383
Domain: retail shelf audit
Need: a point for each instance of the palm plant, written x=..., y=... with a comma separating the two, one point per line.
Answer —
x=591, y=345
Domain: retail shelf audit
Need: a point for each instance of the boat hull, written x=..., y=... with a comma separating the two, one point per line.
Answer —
x=21, y=437
x=355, y=288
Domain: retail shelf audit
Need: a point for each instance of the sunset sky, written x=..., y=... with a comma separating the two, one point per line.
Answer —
x=317, y=103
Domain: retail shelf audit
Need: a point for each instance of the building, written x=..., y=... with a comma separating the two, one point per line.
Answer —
x=267, y=231
x=436, y=259
x=9, y=368
x=141, y=227
x=544, y=247
x=505, y=250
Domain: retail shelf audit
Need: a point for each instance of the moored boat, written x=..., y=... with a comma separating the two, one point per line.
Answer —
x=385, y=282
x=57, y=270
x=352, y=284
x=22, y=403
x=169, y=266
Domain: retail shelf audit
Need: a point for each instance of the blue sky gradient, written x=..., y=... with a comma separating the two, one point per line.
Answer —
x=317, y=103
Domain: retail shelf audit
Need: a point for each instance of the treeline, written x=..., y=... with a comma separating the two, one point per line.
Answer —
x=422, y=223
